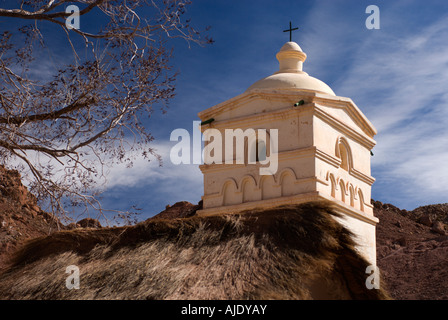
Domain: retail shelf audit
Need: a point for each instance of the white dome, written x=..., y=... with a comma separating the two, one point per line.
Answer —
x=292, y=81
x=290, y=75
x=291, y=46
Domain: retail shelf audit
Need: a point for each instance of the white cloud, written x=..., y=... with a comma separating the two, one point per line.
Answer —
x=176, y=182
x=401, y=84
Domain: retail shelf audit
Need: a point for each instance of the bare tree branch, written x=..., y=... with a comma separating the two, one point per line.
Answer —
x=43, y=13
x=65, y=123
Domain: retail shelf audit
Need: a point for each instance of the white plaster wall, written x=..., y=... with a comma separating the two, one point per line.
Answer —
x=364, y=236
x=326, y=137
x=294, y=176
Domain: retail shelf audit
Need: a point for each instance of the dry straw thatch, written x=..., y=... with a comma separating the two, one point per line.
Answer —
x=289, y=252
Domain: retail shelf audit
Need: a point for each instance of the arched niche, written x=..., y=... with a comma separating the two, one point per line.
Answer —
x=361, y=200
x=344, y=153
x=287, y=182
x=258, y=147
x=268, y=188
x=352, y=195
x=230, y=196
x=333, y=185
x=249, y=189
x=342, y=190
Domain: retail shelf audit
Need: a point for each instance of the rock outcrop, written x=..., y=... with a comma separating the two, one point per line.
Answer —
x=20, y=216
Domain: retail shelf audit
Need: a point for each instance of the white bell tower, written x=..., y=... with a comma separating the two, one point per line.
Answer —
x=323, y=149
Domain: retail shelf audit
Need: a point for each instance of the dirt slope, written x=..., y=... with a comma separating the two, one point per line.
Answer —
x=288, y=252
x=412, y=256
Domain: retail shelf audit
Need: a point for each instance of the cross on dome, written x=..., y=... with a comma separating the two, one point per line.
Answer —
x=290, y=30
x=290, y=74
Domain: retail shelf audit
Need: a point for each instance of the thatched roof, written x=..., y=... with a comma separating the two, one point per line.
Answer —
x=290, y=252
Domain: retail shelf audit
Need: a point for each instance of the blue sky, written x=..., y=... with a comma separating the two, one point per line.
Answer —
x=397, y=76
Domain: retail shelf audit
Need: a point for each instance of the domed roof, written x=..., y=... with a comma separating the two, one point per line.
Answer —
x=290, y=75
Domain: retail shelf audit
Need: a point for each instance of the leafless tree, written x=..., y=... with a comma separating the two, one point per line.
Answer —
x=65, y=127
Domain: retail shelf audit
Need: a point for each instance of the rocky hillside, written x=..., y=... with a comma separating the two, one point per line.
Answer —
x=20, y=216
x=182, y=209
x=412, y=251
x=22, y=219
